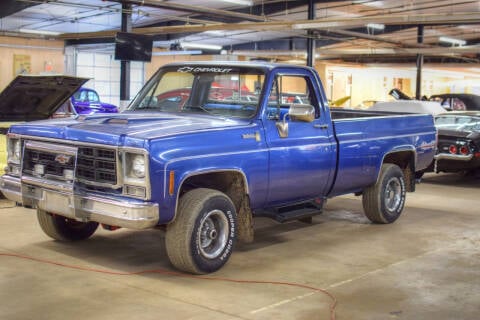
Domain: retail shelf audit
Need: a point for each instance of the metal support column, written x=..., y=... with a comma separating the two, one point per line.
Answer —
x=418, y=88
x=310, y=33
x=125, y=65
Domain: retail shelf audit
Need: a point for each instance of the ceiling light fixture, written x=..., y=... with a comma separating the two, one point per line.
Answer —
x=240, y=2
x=176, y=52
x=42, y=32
x=376, y=26
x=200, y=46
x=453, y=41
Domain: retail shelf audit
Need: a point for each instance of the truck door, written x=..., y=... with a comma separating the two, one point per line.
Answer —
x=302, y=164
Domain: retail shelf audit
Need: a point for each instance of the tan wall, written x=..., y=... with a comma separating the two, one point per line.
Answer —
x=45, y=55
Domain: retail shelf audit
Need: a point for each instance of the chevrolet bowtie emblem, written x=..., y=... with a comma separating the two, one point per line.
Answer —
x=62, y=158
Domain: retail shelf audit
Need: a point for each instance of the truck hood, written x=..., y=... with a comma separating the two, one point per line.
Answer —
x=129, y=129
x=29, y=98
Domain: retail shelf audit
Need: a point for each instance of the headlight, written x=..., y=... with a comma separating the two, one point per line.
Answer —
x=135, y=166
x=138, y=166
x=14, y=150
x=135, y=174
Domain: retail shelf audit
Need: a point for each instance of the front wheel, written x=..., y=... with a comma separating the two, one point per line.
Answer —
x=64, y=229
x=201, y=238
x=384, y=201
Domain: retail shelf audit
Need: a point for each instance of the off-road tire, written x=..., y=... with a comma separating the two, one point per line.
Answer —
x=201, y=238
x=383, y=202
x=64, y=229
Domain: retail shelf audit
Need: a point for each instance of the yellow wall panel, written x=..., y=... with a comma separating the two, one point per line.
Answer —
x=45, y=56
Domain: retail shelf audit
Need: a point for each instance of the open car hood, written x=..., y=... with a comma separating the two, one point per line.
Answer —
x=29, y=98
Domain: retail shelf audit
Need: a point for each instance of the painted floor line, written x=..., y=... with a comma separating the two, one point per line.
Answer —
x=338, y=284
x=277, y=304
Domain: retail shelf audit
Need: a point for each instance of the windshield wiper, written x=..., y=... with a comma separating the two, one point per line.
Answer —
x=202, y=108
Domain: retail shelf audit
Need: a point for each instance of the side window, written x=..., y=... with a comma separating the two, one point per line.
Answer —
x=288, y=90
x=294, y=89
x=83, y=96
x=93, y=96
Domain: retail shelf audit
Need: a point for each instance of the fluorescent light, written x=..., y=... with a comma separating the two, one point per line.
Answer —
x=376, y=4
x=200, y=46
x=42, y=32
x=215, y=32
x=240, y=2
x=376, y=26
x=453, y=41
x=176, y=52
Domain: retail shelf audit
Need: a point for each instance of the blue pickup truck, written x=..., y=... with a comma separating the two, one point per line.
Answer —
x=206, y=147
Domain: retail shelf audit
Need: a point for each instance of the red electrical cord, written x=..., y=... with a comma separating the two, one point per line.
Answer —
x=179, y=274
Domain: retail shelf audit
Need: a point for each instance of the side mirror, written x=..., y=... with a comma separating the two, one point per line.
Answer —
x=296, y=112
x=301, y=112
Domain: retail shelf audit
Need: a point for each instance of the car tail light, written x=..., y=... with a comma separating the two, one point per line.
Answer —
x=452, y=149
x=464, y=150
x=477, y=154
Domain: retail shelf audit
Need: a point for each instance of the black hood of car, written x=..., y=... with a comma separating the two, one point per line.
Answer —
x=445, y=133
x=29, y=98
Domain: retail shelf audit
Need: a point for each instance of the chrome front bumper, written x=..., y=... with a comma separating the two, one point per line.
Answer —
x=63, y=201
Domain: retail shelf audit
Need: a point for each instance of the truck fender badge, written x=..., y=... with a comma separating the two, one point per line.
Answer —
x=255, y=136
x=62, y=158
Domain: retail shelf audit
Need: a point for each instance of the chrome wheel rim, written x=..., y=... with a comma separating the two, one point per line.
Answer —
x=213, y=234
x=393, y=194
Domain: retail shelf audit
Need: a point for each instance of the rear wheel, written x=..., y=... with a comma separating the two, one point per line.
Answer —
x=201, y=238
x=64, y=229
x=384, y=201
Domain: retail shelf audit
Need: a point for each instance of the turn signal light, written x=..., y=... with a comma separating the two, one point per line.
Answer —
x=452, y=149
x=171, y=185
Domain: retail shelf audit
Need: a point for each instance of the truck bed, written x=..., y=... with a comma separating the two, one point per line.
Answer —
x=365, y=137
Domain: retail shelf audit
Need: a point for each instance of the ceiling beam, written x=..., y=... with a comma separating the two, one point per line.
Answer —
x=183, y=7
x=390, y=20
x=378, y=38
x=283, y=26
x=451, y=51
x=339, y=53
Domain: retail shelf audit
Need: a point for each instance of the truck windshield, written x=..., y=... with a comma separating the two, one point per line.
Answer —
x=218, y=91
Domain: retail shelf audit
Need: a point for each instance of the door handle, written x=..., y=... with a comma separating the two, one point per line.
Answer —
x=321, y=126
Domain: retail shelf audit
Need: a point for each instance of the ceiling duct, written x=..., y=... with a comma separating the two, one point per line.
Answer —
x=9, y=7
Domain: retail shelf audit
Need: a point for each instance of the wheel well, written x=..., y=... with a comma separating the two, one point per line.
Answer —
x=234, y=185
x=406, y=161
x=229, y=182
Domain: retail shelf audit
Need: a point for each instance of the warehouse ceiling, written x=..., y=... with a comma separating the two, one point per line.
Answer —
x=351, y=31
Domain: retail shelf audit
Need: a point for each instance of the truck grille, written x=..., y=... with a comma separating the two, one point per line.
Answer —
x=52, y=167
x=94, y=166
x=98, y=165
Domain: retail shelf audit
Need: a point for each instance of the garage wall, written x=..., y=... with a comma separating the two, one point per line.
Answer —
x=46, y=56
x=372, y=83
x=104, y=73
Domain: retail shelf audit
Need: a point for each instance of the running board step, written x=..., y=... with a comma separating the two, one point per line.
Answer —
x=300, y=212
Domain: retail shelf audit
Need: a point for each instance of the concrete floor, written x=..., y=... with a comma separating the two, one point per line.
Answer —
x=424, y=266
